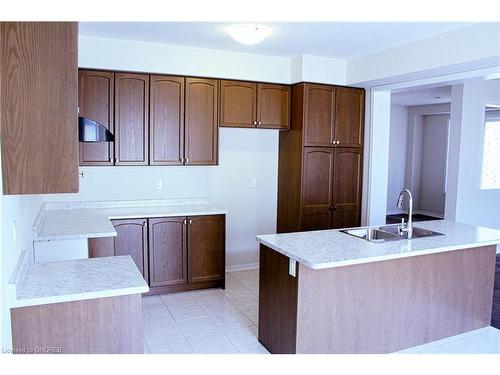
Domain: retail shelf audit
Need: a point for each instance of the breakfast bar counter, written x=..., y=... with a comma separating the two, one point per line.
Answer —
x=330, y=292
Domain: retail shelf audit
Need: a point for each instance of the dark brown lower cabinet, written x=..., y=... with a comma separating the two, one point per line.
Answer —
x=206, y=254
x=167, y=251
x=173, y=254
x=131, y=239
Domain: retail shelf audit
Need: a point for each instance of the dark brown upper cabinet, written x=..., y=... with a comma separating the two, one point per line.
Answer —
x=131, y=119
x=38, y=107
x=166, y=146
x=349, y=120
x=201, y=133
x=273, y=106
x=254, y=105
x=238, y=104
x=167, y=251
x=206, y=255
x=95, y=100
x=319, y=115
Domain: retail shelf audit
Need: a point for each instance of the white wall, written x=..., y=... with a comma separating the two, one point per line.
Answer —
x=243, y=154
x=467, y=202
x=473, y=47
x=17, y=211
x=433, y=165
x=397, y=155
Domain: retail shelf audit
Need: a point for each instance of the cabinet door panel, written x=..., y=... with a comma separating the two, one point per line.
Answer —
x=347, y=187
x=317, y=188
x=201, y=130
x=317, y=176
x=238, y=104
x=349, y=117
x=316, y=218
x=273, y=104
x=38, y=107
x=95, y=99
x=206, y=248
x=167, y=251
x=132, y=239
x=166, y=120
x=319, y=115
x=131, y=118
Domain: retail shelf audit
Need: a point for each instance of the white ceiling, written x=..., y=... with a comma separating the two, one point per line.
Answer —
x=422, y=96
x=341, y=40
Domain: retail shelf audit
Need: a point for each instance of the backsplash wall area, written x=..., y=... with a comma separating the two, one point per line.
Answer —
x=244, y=183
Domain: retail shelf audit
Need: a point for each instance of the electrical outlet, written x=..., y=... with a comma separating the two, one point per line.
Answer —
x=159, y=184
x=253, y=182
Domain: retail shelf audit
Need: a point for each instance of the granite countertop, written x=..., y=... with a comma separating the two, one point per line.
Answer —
x=77, y=220
x=75, y=280
x=332, y=248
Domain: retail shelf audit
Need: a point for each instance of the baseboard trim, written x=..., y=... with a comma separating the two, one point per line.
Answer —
x=242, y=267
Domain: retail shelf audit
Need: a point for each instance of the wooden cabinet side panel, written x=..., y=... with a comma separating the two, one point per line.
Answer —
x=290, y=167
x=237, y=104
x=273, y=106
x=111, y=325
x=38, y=98
x=131, y=119
x=382, y=307
x=166, y=120
x=278, y=293
x=101, y=247
x=206, y=248
x=201, y=130
x=95, y=100
x=167, y=251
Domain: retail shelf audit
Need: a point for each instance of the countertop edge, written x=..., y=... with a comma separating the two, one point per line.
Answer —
x=113, y=233
x=316, y=266
x=78, y=297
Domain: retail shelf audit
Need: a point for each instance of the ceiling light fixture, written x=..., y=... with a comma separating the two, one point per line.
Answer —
x=248, y=33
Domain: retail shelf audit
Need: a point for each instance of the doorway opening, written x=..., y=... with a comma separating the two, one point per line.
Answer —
x=418, y=151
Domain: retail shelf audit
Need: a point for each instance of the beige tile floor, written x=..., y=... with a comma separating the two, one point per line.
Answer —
x=225, y=321
x=205, y=321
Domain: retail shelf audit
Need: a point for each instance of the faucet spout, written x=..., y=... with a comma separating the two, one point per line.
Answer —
x=408, y=228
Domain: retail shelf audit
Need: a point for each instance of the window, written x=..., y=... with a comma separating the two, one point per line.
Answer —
x=490, y=178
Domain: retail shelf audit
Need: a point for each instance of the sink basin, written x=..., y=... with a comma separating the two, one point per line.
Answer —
x=417, y=232
x=371, y=234
x=388, y=233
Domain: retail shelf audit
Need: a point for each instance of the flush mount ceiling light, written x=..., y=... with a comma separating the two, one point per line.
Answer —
x=248, y=33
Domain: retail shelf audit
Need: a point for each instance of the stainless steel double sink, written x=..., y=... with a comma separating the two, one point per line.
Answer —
x=388, y=233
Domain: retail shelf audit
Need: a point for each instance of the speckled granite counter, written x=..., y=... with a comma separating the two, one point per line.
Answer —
x=75, y=280
x=332, y=248
x=74, y=220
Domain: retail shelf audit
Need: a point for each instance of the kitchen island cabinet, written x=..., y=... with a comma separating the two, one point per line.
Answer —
x=328, y=292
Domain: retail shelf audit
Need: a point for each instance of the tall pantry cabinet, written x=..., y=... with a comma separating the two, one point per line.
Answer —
x=320, y=159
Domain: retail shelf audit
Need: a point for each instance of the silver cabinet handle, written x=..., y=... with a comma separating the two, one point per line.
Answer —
x=184, y=221
x=187, y=160
x=255, y=122
x=333, y=142
x=190, y=221
x=338, y=142
x=260, y=122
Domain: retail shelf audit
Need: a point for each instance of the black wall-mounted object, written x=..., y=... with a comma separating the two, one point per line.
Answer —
x=91, y=131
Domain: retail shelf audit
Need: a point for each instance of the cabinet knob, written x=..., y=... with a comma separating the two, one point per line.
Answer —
x=184, y=221
x=255, y=122
x=260, y=122
x=338, y=142
x=333, y=142
x=190, y=221
x=187, y=160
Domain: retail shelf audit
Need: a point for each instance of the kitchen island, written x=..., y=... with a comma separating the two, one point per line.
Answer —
x=77, y=306
x=329, y=292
